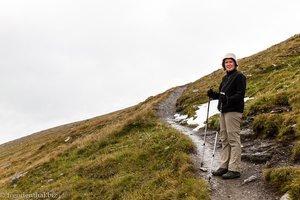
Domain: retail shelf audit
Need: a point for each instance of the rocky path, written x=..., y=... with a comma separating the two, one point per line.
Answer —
x=250, y=186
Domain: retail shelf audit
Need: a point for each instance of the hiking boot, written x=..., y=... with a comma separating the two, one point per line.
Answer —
x=231, y=175
x=220, y=172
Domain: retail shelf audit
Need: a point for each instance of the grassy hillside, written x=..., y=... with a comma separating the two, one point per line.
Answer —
x=129, y=154
x=273, y=80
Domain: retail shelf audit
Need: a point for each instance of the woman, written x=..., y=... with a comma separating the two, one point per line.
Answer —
x=231, y=106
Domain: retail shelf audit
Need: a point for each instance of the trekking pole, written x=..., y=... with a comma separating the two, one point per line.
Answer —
x=213, y=156
x=215, y=145
x=205, y=133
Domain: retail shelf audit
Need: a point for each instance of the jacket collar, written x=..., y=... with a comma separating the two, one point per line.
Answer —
x=231, y=72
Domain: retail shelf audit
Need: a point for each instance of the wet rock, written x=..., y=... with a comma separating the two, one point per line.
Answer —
x=280, y=109
x=250, y=179
x=247, y=122
x=258, y=157
x=247, y=134
x=266, y=147
x=15, y=178
x=258, y=146
x=286, y=196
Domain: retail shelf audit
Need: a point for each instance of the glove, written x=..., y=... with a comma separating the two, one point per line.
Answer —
x=223, y=98
x=210, y=93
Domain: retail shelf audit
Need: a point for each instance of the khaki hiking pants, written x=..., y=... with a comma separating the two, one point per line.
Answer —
x=231, y=143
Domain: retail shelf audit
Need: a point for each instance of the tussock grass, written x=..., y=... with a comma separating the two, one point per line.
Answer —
x=267, y=102
x=278, y=126
x=296, y=152
x=286, y=179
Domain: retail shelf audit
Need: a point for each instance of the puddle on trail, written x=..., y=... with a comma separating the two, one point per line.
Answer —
x=198, y=141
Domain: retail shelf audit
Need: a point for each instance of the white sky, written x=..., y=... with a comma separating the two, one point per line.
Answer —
x=68, y=60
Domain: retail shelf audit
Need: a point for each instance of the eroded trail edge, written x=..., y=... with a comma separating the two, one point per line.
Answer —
x=250, y=186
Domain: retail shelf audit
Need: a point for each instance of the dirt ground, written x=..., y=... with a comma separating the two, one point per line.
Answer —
x=235, y=189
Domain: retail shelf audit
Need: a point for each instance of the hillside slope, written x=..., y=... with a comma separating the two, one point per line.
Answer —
x=131, y=154
x=128, y=154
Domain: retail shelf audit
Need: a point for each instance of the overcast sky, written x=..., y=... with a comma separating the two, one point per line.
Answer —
x=67, y=60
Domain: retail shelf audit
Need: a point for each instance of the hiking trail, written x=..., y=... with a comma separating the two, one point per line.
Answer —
x=250, y=186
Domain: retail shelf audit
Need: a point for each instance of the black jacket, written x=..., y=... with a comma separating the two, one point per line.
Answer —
x=234, y=86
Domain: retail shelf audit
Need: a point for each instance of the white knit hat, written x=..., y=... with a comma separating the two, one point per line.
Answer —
x=229, y=55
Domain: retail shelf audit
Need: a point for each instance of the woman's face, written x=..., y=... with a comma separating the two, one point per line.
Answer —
x=229, y=65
